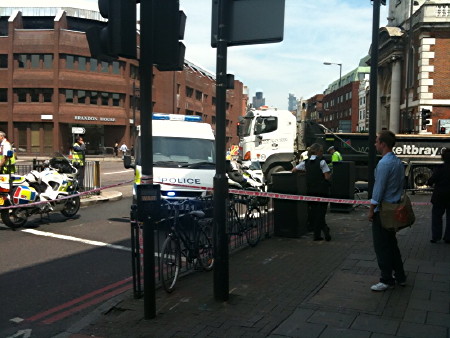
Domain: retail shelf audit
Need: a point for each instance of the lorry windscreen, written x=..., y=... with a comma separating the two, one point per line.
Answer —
x=246, y=127
x=178, y=151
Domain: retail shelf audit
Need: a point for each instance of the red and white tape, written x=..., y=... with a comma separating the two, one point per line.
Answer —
x=287, y=196
x=88, y=192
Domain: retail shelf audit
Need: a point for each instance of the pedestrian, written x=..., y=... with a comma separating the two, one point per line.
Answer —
x=123, y=148
x=116, y=149
x=335, y=156
x=388, y=187
x=79, y=159
x=7, y=158
x=441, y=199
x=317, y=184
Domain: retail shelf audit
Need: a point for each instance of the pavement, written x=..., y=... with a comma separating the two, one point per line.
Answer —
x=295, y=287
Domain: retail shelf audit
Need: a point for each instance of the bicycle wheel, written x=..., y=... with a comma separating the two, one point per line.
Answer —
x=170, y=263
x=253, y=226
x=205, y=252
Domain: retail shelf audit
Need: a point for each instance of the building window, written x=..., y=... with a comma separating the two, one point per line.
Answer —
x=3, y=60
x=93, y=63
x=34, y=95
x=213, y=101
x=47, y=95
x=105, y=99
x=116, y=67
x=134, y=72
x=69, y=95
x=48, y=61
x=81, y=96
x=22, y=61
x=21, y=95
x=81, y=63
x=93, y=98
x=70, y=62
x=189, y=91
x=105, y=67
x=198, y=95
x=116, y=99
x=3, y=95
x=189, y=112
x=35, y=61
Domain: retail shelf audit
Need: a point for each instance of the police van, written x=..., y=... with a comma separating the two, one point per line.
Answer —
x=183, y=156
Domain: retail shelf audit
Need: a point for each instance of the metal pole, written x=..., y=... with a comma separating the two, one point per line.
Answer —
x=133, y=134
x=340, y=74
x=373, y=95
x=221, y=263
x=146, y=75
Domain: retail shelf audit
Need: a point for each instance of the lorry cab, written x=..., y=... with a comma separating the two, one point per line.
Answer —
x=183, y=156
x=266, y=132
x=268, y=135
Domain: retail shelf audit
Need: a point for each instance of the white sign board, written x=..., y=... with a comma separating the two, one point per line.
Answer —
x=78, y=130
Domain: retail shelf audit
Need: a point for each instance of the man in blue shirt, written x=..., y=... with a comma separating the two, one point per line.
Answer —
x=388, y=187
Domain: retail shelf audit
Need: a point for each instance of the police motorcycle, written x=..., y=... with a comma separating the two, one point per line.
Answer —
x=51, y=188
x=245, y=175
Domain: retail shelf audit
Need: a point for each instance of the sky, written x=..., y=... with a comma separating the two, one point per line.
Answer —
x=317, y=31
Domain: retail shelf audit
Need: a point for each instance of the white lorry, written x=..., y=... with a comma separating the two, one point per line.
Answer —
x=276, y=139
x=183, y=156
x=269, y=136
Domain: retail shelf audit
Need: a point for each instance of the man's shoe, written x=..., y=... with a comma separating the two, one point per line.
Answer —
x=316, y=239
x=433, y=241
x=381, y=287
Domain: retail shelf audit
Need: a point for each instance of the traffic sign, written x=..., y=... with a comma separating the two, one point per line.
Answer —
x=78, y=130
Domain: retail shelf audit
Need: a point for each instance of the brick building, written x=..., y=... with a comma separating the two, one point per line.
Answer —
x=414, y=67
x=341, y=100
x=50, y=84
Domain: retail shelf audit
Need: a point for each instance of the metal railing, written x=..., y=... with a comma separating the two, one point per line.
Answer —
x=162, y=229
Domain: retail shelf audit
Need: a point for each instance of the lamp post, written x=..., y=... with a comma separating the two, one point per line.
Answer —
x=340, y=70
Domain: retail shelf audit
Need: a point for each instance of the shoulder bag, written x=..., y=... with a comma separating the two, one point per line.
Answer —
x=396, y=216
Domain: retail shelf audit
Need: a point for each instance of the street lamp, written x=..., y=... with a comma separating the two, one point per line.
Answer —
x=340, y=69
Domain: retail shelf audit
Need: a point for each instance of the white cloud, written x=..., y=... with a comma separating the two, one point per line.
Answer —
x=315, y=31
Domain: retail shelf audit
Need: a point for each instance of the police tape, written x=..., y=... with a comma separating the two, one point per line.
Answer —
x=84, y=193
x=286, y=196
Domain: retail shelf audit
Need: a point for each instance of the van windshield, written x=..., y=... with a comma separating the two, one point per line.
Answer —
x=178, y=151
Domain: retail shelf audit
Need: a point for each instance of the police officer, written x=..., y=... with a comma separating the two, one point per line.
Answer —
x=79, y=157
x=335, y=156
x=7, y=163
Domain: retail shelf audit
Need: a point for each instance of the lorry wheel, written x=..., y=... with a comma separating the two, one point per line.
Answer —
x=420, y=177
x=275, y=169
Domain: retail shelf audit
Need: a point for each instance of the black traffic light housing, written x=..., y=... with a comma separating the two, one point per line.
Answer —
x=168, y=28
x=426, y=118
x=118, y=38
x=442, y=130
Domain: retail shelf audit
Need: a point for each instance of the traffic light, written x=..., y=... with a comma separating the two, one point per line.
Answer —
x=168, y=28
x=426, y=118
x=118, y=38
x=442, y=130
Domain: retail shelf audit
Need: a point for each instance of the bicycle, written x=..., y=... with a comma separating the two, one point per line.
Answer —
x=189, y=240
x=250, y=225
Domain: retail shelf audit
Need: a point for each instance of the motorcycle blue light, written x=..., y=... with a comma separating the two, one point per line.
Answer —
x=171, y=193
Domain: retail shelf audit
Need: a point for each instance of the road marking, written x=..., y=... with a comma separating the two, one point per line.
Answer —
x=75, y=239
x=118, y=172
x=21, y=333
x=16, y=320
x=81, y=299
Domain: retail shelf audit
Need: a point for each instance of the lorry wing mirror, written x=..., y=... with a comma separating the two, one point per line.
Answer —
x=127, y=162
